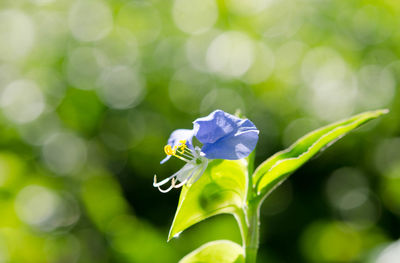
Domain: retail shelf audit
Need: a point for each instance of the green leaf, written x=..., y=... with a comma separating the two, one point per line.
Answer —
x=278, y=167
x=221, y=189
x=221, y=251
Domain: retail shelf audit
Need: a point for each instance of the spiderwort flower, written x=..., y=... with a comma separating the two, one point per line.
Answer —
x=223, y=136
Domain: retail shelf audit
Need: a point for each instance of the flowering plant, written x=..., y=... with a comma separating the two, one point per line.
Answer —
x=219, y=176
x=223, y=136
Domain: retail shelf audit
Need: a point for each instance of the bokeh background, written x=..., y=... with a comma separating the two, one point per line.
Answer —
x=90, y=91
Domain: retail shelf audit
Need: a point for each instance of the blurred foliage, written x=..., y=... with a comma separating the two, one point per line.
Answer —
x=90, y=90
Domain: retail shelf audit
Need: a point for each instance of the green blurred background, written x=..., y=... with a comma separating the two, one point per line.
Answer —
x=90, y=91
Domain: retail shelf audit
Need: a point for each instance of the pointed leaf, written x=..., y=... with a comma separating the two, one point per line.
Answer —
x=221, y=251
x=278, y=167
x=221, y=189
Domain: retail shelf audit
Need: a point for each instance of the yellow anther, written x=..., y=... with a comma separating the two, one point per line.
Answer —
x=179, y=151
x=168, y=150
x=182, y=145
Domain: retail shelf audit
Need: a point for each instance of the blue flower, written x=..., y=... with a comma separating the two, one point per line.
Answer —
x=222, y=135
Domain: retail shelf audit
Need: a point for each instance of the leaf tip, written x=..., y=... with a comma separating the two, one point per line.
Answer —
x=172, y=235
x=384, y=111
x=380, y=112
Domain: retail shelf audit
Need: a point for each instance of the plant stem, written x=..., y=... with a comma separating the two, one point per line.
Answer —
x=253, y=232
x=250, y=222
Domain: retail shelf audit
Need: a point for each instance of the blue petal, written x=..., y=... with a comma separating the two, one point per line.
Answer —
x=179, y=135
x=233, y=147
x=216, y=125
x=225, y=136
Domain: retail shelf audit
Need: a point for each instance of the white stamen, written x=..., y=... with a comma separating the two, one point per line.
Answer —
x=191, y=168
x=186, y=155
x=187, y=179
x=169, y=188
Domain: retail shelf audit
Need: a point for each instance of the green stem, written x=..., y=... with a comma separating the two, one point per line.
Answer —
x=253, y=232
x=249, y=220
